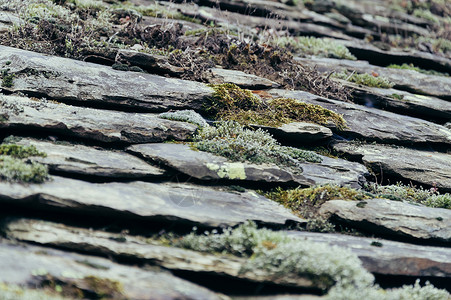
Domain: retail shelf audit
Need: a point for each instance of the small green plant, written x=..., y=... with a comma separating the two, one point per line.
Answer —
x=412, y=67
x=231, y=140
x=397, y=96
x=321, y=47
x=16, y=170
x=400, y=192
x=374, y=292
x=365, y=79
x=229, y=102
x=19, y=151
x=14, y=292
x=7, y=79
x=189, y=116
x=280, y=255
x=307, y=201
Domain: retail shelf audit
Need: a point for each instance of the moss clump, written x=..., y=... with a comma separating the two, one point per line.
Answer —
x=189, y=116
x=412, y=67
x=400, y=192
x=104, y=288
x=229, y=102
x=7, y=79
x=411, y=292
x=280, y=255
x=17, y=170
x=307, y=201
x=365, y=79
x=19, y=151
x=236, y=143
x=321, y=47
x=397, y=96
x=14, y=292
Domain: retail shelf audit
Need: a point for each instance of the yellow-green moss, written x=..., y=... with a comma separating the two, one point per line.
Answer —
x=308, y=200
x=365, y=79
x=19, y=151
x=104, y=288
x=229, y=102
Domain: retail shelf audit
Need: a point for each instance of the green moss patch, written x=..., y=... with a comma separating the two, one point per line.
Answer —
x=279, y=255
x=233, y=141
x=19, y=151
x=321, y=47
x=400, y=192
x=229, y=102
x=17, y=170
x=412, y=67
x=365, y=79
x=307, y=201
x=14, y=166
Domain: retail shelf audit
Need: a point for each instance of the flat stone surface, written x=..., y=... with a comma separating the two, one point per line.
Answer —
x=420, y=106
x=171, y=202
x=299, y=133
x=66, y=79
x=374, y=124
x=410, y=80
x=241, y=79
x=84, y=160
x=207, y=166
x=386, y=257
x=421, y=59
x=144, y=250
x=146, y=61
x=393, y=218
x=33, y=266
x=424, y=167
x=95, y=124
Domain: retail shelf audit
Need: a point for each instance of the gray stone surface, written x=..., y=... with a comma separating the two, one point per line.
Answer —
x=89, y=161
x=171, y=202
x=34, y=266
x=425, y=167
x=144, y=250
x=146, y=61
x=207, y=166
x=394, y=218
x=95, y=124
x=299, y=133
x=374, y=124
x=241, y=79
x=410, y=80
x=65, y=79
x=387, y=257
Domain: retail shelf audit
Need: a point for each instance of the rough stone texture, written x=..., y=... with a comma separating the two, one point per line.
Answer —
x=32, y=266
x=89, y=161
x=207, y=166
x=241, y=79
x=245, y=16
x=71, y=80
x=389, y=257
x=374, y=124
x=425, y=167
x=299, y=133
x=170, y=202
x=88, y=123
x=420, y=106
x=144, y=250
x=421, y=59
x=410, y=80
x=146, y=61
x=393, y=218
